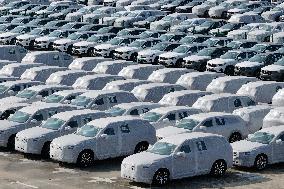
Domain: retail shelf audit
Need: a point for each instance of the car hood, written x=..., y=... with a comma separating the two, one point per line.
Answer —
x=196, y=58
x=11, y=99
x=160, y=22
x=71, y=140
x=246, y=146
x=35, y=132
x=237, y=32
x=248, y=64
x=63, y=41
x=170, y=131
x=8, y=34
x=267, y=14
x=171, y=54
x=74, y=14
x=46, y=38
x=143, y=158
x=126, y=49
x=217, y=8
x=6, y=124
x=219, y=30
x=123, y=19
x=236, y=10
x=26, y=36
x=105, y=46
x=220, y=61
x=149, y=52
x=83, y=43
x=274, y=68
x=259, y=33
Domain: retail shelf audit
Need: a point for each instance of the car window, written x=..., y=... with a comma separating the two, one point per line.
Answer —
x=43, y=93
x=112, y=99
x=125, y=128
x=72, y=124
x=182, y=115
x=7, y=113
x=134, y=112
x=12, y=51
x=109, y=131
x=55, y=57
x=145, y=110
x=52, y=112
x=220, y=121
x=86, y=120
x=71, y=97
x=278, y=88
x=208, y=123
x=281, y=137
x=99, y=101
x=171, y=117
x=237, y=103
x=201, y=146
x=16, y=88
x=38, y=117
x=185, y=149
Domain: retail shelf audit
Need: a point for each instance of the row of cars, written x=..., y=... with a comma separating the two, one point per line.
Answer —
x=74, y=124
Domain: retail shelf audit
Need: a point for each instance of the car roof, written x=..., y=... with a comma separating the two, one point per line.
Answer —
x=66, y=72
x=214, y=97
x=250, y=109
x=166, y=109
x=70, y=91
x=202, y=116
x=103, y=122
x=95, y=76
x=201, y=74
x=40, y=106
x=233, y=78
x=69, y=114
x=181, y=138
x=168, y=70
x=41, y=87
x=153, y=85
x=122, y=82
x=186, y=92
x=262, y=83
x=11, y=83
x=40, y=68
x=96, y=93
x=138, y=66
x=9, y=105
x=136, y=104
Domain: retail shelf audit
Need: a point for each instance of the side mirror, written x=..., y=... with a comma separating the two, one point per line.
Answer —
x=67, y=128
x=202, y=127
x=104, y=136
x=180, y=154
x=33, y=121
x=93, y=106
x=278, y=141
x=11, y=92
x=166, y=120
x=66, y=102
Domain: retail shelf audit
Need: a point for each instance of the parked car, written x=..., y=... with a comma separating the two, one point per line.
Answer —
x=266, y=47
x=9, y=38
x=29, y=116
x=223, y=102
x=230, y=26
x=229, y=84
x=188, y=25
x=168, y=115
x=182, y=98
x=274, y=71
x=139, y=71
x=153, y=92
x=124, y=135
x=232, y=127
x=17, y=69
x=260, y=149
x=274, y=117
x=197, y=80
x=254, y=116
x=95, y=82
x=132, y=108
x=86, y=63
x=221, y=10
x=178, y=157
x=112, y=67
x=208, y=25
x=103, y=99
x=261, y=91
x=67, y=77
x=168, y=75
x=241, y=44
x=124, y=85
x=36, y=140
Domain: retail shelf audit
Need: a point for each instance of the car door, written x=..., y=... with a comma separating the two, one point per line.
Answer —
x=71, y=126
x=184, y=165
x=36, y=119
x=278, y=148
x=126, y=137
x=107, y=142
x=202, y=154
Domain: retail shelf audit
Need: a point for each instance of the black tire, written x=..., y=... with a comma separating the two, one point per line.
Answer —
x=50, y=46
x=219, y=168
x=90, y=52
x=111, y=54
x=141, y=146
x=31, y=45
x=69, y=49
x=133, y=57
x=236, y=136
x=13, y=41
x=224, y=15
x=161, y=177
x=45, y=150
x=85, y=158
x=261, y=162
x=229, y=70
x=156, y=61
x=179, y=63
x=11, y=142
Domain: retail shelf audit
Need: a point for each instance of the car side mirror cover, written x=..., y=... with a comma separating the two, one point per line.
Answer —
x=11, y=92
x=180, y=154
x=38, y=96
x=104, y=136
x=66, y=102
x=202, y=127
x=166, y=120
x=278, y=141
x=33, y=121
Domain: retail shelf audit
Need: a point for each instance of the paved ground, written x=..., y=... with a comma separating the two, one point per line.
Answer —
x=19, y=172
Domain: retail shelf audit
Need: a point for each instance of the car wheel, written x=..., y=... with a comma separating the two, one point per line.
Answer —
x=235, y=137
x=69, y=49
x=224, y=15
x=31, y=45
x=261, y=162
x=11, y=142
x=179, y=63
x=229, y=70
x=111, y=54
x=134, y=57
x=90, y=52
x=45, y=150
x=13, y=41
x=219, y=168
x=85, y=158
x=156, y=61
x=50, y=46
x=140, y=147
x=161, y=177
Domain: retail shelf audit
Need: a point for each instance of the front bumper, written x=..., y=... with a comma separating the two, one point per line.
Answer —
x=272, y=76
x=128, y=172
x=27, y=146
x=61, y=154
x=61, y=48
x=217, y=69
x=40, y=45
x=122, y=55
x=242, y=161
x=145, y=60
x=79, y=51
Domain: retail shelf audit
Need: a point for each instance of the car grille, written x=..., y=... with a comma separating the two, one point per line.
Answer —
x=212, y=65
x=266, y=72
x=120, y=53
x=163, y=58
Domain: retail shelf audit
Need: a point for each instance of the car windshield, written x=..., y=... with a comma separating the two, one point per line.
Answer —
x=116, y=111
x=12, y=4
x=115, y=41
x=176, y=3
x=165, y=37
x=246, y=27
x=55, y=34
x=123, y=32
x=205, y=52
x=258, y=48
x=83, y=10
x=228, y=26
x=145, y=34
x=137, y=43
x=20, y=117
x=36, y=31
x=54, y=98
x=168, y=18
x=151, y=116
x=162, y=148
x=26, y=94
x=50, y=8
x=277, y=9
x=67, y=26
x=210, y=42
x=188, y=124
x=261, y=137
x=186, y=22
x=18, y=29
x=132, y=14
x=95, y=38
x=280, y=62
x=74, y=36
x=81, y=101
x=88, y=131
x=3, y=88
x=234, y=44
x=258, y=58
x=229, y=55
x=181, y=49
x=53, y=123
x=159, y=46
x=206, y=24
x=242, y=6
x=187, y=40
x=104, y=30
